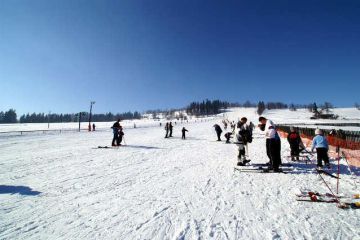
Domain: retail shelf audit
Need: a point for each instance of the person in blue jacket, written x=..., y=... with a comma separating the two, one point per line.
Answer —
x=321, y=145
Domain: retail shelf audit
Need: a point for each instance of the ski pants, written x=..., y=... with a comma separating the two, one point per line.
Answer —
x=115, y=139
x=273, y=149
x=241, y=151
x=322, y=154
x=295, y=150
x=218, y=135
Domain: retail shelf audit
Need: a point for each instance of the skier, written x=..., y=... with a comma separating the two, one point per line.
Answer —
x=243, y=136
x=166, y=129
x=321, y=144
x=115, y=127
x=295, y=142
x=93, y=127
x=170, y=129
x=183, y=130
x=228, y=136
x=218, y=131
x=121, y=134
x=273, y=143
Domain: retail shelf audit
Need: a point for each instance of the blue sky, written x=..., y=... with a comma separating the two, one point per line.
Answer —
x=139, y=55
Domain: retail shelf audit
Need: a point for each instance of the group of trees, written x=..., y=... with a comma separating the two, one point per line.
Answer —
x=8, y=116
x=44, y=118
x=208, y=107
x=262, y=106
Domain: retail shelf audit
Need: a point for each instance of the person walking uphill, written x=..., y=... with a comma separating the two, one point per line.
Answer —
x=115, y=127
x=321, y=145
x=183, y=130
x=218, y=131
x=273, y=143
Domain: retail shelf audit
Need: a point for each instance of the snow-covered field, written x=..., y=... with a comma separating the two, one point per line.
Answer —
x=63, y=187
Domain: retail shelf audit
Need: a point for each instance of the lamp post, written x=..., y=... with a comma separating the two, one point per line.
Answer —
x=49, y=119
x=91, y=104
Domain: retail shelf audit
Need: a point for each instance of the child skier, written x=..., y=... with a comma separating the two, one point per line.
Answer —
x=295, y=142
x=228, y=136
x=321, y=145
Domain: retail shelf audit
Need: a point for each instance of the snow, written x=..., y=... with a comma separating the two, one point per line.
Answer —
x=156, y=188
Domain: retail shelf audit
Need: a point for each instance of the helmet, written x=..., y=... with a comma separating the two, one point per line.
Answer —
x=318, y=132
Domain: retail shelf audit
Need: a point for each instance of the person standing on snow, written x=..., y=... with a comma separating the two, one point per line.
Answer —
x=166, y=129
x=295, y=142
x=273, y=143
x=170, y=129
x=321, y=145
x=243, y=136
x=121, y=134
x=183, y=130
x=218, y=131
x=115, y=127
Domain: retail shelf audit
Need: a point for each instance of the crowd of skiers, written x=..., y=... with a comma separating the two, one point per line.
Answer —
x=243, y=136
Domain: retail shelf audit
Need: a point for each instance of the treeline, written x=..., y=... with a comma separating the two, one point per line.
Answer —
x=54, y=117
x=8, y=116
x=208, y=107
x=312, y=107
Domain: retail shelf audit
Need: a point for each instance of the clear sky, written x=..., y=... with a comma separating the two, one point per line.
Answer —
x=138, y=55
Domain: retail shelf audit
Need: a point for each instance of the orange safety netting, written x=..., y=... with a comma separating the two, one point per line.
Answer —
x=350, y=149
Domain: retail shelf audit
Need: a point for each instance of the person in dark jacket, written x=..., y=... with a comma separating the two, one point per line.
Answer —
x=295, y=142
x=228, y=136
x=121, y=134
x=170, y=129
x=115, y=127
x=183, y=130
x=218, y=131
x=93, y=127
x=167, y=130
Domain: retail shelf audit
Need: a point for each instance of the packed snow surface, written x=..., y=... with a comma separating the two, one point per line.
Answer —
x=64, y=187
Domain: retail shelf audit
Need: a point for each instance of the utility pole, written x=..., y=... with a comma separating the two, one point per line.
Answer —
x=91, y=104
x=49, y=119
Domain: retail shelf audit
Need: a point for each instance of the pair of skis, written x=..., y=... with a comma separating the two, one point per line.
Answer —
x=260, y=169
x=341, y=201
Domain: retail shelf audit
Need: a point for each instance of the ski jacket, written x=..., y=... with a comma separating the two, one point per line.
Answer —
x=294, y=138
x=319, y=141
x=217, y=128
x=270, y=130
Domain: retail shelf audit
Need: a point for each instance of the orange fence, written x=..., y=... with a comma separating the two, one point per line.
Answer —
x=337, y=145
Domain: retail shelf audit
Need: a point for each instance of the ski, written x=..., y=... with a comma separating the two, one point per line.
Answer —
x=309, y=194
x=327, y=173
x=334, y=200
x=258, y=170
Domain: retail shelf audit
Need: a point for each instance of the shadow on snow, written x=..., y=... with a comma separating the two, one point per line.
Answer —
x=22, y=190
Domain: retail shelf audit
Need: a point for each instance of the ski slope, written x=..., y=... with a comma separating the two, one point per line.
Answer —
x=64, y=187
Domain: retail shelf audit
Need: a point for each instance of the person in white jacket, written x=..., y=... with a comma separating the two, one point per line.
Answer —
x=273, y=143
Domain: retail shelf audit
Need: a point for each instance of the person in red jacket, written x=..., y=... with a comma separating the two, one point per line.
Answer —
x=295, y=142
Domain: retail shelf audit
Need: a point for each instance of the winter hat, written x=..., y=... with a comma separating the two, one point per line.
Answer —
x=318, y=132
